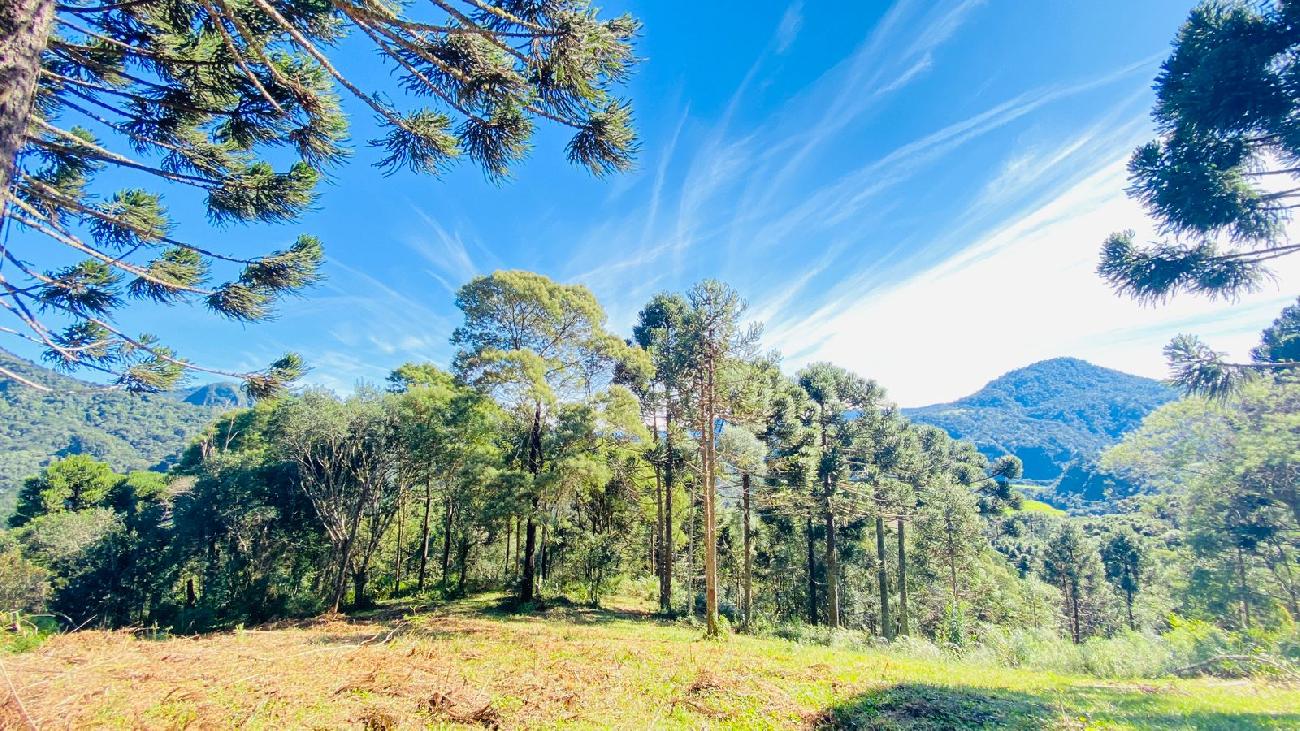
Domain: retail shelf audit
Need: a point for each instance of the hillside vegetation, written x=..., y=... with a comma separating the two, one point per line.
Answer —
x=1056, y=415
x=129, y=432
x=469, y=664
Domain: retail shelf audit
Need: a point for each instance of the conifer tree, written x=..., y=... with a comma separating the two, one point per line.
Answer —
x=1221, y=179
x=204, y=94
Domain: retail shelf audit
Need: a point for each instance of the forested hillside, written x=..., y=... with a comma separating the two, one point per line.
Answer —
x=1056, y=415
x=74, y=417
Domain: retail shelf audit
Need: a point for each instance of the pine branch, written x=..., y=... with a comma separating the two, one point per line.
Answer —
x=324, y=61
x=217, y=21
x=99, y=153
x=51, y=195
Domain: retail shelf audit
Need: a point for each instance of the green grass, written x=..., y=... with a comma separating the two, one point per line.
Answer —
x=1038, y=506
x=476, y=664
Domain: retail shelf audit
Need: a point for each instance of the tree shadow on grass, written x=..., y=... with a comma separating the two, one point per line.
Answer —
x=564, y=609
x=925, y=707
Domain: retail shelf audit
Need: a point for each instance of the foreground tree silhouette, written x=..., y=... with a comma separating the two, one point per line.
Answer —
x=1221, y=180
x=196, y=92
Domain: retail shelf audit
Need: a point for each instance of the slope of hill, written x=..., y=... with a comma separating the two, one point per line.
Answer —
x=1055, y=415
x=129, y=432
x=469, y=665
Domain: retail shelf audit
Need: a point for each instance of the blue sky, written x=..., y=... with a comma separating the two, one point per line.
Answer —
x=916, y=191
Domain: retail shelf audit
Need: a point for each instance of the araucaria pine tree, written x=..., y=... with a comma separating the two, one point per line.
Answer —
x=202, y=94
x=1221, y=179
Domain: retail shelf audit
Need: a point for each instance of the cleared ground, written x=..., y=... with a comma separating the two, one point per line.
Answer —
x=471, y=665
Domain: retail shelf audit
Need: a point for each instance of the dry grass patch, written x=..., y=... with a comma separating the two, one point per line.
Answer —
x=469, y=666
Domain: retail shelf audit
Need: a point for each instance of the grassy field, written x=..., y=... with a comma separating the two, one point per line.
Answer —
x=471, y=665
x=1038, y=506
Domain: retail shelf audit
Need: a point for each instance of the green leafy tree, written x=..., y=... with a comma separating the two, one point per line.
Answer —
x=534, y=344
x=1072, y=564
x=716, y=335
x=1124, y=556
x=78, y=482
x=660, y=330
x=448, y=439
x=205, y=94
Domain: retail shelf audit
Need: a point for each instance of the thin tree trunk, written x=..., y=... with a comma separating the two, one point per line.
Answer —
x=447, y=519
x=424, y=536
x=832, y=570
x=710, y=515
x=882, y=577
x=666, y=581
x=748, y=593
x=1128, y=605
x=1074, y=610
x=528, y=584
x=1245, y=595
x=903, y=628
x=24, y=31
x=812, y=572
x=397, y=558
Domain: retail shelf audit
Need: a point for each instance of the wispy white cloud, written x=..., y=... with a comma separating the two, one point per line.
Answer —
x=1024, y=292
x=789, y=27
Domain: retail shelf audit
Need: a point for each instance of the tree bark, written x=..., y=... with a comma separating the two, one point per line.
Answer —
x=424, y=537
x=832, y=570
x=1245, y=593
x=882, y=577
x=812, y=572
x=359, y=599
x=903, y=628
x=710, y=513
x=748, y=594
x=24, y=31
x=447, y=516
x=528, y=584
x=666, y=581
x=397, y=556
x=1074, y=610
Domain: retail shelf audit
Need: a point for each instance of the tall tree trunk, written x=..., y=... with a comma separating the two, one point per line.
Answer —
x=692, y=514
x=748, y=593
x=1128, y=606
x=812, y=572
x=903, y=622
x=1244, y=591
x=1074, y=612
x=359, y=578
x=832, y=570
x=397, y=556
x=24, y=31
x=447, y=520
x=710, y=514
x=882, y=576
x=666, y=580
x=658, y=554
x=462, y=554
x=424, y=536
x=528, y=583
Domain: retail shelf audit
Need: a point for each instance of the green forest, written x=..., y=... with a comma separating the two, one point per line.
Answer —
x=559, y=460
x=564, y=514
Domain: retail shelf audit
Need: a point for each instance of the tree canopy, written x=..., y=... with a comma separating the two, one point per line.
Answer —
x=243, y=102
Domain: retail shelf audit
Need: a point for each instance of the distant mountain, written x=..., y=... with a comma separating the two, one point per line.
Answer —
x=223, y=395
x=129, y=432
x=1056, y=415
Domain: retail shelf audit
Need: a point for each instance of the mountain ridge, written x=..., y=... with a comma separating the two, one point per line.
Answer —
x=130, y=432
x=1056, y=415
